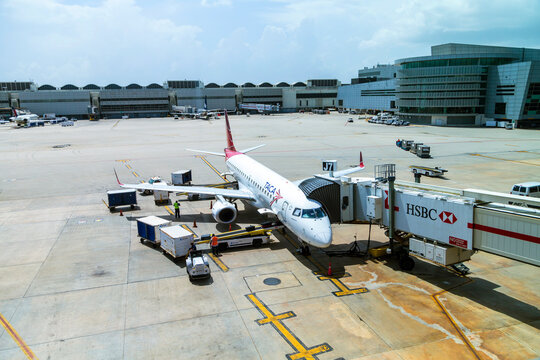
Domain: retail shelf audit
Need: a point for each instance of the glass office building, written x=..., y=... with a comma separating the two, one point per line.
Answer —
x=463, y=84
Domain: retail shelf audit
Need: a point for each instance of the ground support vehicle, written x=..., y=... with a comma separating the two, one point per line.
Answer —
x=251, y=235
x=197, y=265
x=429, y=171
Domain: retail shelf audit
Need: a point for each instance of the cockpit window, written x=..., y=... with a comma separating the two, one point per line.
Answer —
x=297, y=212
x=313, y=213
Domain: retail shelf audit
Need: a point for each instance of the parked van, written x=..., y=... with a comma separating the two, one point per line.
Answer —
x=531, y=188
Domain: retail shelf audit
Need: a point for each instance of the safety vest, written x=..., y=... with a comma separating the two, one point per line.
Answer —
x=214, y=241
x=176, y=205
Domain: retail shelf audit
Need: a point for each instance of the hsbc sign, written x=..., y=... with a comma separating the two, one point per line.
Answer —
x=426, y=213
x=434, y=217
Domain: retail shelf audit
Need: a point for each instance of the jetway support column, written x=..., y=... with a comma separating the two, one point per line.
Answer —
x=391, y=214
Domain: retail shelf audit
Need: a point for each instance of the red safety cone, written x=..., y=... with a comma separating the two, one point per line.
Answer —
x=194, y=223
x=121, y=214
x=330, y=268
x=210, y=204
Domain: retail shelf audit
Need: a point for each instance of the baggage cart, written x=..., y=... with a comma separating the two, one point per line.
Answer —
x=161, y=196
x=148, y=228
x=123, y=197
x=181, y=177
x=423, y=151
x=429, y=171
x=176, y=240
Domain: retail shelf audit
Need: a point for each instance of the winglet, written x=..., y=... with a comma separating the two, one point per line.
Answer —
x=361, y=161
x=230, y=143
x=117, y=180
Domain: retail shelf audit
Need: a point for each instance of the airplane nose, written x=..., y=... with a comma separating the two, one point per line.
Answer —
x=323, y=239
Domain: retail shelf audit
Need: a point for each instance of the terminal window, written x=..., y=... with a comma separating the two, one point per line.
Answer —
x=500, y=108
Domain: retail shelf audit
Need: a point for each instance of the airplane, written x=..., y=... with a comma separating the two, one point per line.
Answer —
x=264, y=189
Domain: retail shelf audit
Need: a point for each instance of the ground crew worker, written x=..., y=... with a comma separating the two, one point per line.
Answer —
x=214, y=244
x=192, y=248
x=176, y=210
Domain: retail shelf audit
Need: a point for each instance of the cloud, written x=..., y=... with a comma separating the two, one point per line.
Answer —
x=125, y=41
x=210, y=3
x=103, y=41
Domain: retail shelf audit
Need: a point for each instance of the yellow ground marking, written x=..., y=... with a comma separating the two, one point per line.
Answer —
x=464, y=337
x=169, y=210
x=219, y=263
x=302, y=351
x=116, y=123
x=343, y=289
x=20, y=342
x=135, y=174
x=122, y=160
x=128, y=166
x=188, y=229
x=142, y=181
x=514, y=161
x=203, y=158
x=105, y=203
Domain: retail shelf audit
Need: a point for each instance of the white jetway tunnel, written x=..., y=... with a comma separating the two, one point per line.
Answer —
x=464, y=219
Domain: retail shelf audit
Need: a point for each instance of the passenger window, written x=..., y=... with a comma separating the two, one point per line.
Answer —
x=516, y=188
x=522, y=189
x=296, y=212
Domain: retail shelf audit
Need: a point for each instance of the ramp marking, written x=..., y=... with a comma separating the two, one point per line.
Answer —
x=219, y=263
x=203, y=158
x=344, y=290
x=276, y=320
x=20, y=342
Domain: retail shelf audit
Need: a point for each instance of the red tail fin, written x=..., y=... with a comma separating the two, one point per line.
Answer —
x=230, y=143
x=361, y=161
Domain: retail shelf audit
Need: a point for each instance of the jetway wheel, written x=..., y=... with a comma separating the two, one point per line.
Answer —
x=406, y=262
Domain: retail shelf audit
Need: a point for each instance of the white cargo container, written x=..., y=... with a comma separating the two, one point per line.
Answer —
x=175, y=240
x=161, y=196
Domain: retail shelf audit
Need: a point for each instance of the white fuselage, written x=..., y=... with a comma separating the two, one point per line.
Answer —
x=304, y=217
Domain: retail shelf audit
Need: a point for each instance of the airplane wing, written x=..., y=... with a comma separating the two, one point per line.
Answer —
x=230, y=193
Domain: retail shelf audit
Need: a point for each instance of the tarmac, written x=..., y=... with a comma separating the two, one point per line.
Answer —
x=76, y=282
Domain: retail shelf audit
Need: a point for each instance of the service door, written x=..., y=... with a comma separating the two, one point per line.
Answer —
x=284, y=209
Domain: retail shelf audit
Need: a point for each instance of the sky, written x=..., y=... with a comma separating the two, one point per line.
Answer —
x=79, y=42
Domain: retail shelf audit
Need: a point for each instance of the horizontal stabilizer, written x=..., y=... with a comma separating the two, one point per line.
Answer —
x=207, y=152
x=251, y=148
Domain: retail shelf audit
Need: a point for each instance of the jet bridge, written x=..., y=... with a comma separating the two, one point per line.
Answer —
x=439, y=217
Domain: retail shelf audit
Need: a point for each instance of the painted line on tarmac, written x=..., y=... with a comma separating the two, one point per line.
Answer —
x=135, y=174
x=219, y=263
x=128, y=166
x=344, y=290
x=513, y=161
x=464, y=337
x=203, y=158
x=169, y=210
x=20, y=342
x=276, y=320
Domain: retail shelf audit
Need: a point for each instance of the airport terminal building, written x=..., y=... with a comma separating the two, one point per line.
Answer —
x=154, y=100
x=457, y=84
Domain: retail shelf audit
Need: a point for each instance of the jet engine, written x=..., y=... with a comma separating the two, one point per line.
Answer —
x=223, y=211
